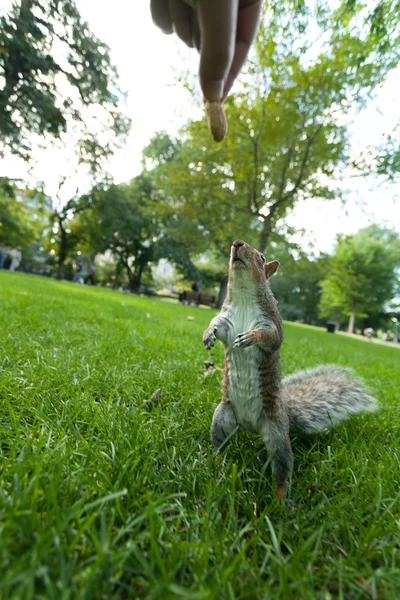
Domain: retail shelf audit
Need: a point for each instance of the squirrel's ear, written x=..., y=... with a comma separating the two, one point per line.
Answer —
x=270, y=268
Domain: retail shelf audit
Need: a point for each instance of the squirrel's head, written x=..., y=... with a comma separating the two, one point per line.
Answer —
x=245, y=258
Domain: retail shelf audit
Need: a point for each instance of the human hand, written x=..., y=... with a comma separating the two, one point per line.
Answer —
x=222, y=31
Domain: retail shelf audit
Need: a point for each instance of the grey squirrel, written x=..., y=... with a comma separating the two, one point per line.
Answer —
x=255, y=398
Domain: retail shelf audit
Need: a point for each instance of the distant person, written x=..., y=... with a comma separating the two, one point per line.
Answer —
x=196, y=286
x=222, y=32
x=92, y=273
x=16, y=257
x=196, y=289
x=79, y=273
x=369, y=332
x=3, y=254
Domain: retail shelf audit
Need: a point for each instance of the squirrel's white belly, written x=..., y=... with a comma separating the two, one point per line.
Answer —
x=243, y=374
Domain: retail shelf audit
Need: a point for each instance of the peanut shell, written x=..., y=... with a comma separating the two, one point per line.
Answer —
x=216, y=120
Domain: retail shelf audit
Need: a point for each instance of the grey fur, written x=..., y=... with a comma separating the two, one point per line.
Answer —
x=223, y=425
x=276, y=439
x=323, y=397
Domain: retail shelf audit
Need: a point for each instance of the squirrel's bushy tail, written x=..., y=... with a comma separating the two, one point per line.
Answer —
x=322, y=397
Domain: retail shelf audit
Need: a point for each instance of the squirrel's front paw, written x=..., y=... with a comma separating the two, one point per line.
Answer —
x=209, y=337
x=244, y=340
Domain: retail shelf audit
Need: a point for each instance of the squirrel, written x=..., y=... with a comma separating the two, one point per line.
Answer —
x=255, y=399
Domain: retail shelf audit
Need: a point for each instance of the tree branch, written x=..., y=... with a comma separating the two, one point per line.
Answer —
x=310, y=141
x=285, y=168
x=256, y=146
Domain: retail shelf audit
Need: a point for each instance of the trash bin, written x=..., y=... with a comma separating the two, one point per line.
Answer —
x=330, y=327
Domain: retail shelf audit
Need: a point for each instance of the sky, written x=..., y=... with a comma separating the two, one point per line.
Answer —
x=148, y=63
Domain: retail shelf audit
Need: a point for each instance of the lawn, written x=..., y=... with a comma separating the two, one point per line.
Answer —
x=100, y=499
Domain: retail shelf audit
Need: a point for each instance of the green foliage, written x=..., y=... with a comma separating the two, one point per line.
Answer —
x=388, y=158
x=14, y=220
x=362, y=274
x=200, y=210
x=314, y=63
x=66, y=231
x=383, y=19
x=297, y=285
x=212, y=270
x=161, y=150
x=24, y=214
x=121, y=220
x=109, y=272
x=197, y=215
x=47, y=47
x=384, y=160
x=127, y=220
x=101, y=499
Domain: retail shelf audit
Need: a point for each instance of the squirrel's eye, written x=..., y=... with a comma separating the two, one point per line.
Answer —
x=262, y=258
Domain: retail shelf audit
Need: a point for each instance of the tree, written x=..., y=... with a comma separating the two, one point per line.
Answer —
x=387, y=161
x=122, y=219
x=384, y=20
x=66, y=231
x=382, y=161
x=47, y=47
x=362, y=274
x=197, y=213
x=24, y=213
x=297, y=284
x=313, y=65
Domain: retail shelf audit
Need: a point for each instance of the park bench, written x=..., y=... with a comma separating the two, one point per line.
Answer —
x=189, y=296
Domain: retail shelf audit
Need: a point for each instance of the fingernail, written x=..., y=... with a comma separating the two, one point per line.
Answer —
x=213, y=90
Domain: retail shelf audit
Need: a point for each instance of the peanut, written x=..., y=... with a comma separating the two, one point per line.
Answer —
x=216, y=120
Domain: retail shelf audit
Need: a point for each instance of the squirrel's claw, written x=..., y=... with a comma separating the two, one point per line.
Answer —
x=209, y=338
x=244, y=340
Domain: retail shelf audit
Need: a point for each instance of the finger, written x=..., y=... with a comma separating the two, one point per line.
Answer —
x=182, y=19
x=160, y=15
x=217, y=21
x=247, y=26
x=195, y=31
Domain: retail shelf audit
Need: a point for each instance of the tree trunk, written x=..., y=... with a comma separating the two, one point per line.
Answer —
x=264, y=237
x=352, y=320
x=364, y=325
x=222, y=291
x=135, y=278
x=60, y=270
x=62, y=251
x=134, y=285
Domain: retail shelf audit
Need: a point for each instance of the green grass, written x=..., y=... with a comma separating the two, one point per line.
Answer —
x=101, y=499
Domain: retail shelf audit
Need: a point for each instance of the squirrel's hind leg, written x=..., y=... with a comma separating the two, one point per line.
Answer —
x=276, y=439
x=223, y=425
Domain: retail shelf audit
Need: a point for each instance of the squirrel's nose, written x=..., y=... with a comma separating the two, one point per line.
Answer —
x=238, y=243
